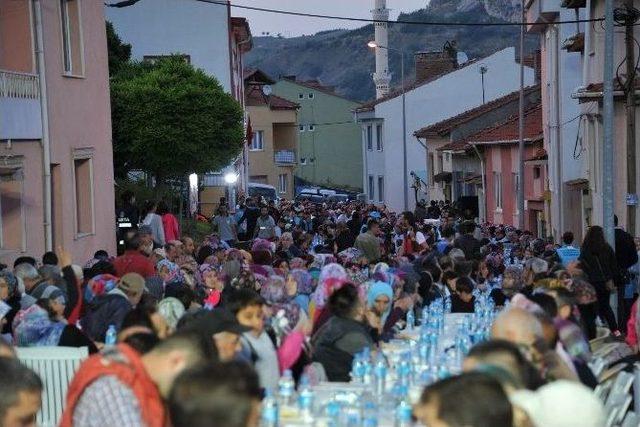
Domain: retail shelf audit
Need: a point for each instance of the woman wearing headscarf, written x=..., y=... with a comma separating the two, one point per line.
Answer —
x=379, y=304
x=332, y=277
x=169, y=271
x=10, y=295
x=304, y=287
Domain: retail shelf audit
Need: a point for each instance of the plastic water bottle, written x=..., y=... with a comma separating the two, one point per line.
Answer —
x=370, y=415
x=411, y=320
x=111, y=337
x=270, y=413
x=380, y=373
x=306, y=399
x=286, y=388
x=403, y=414
x=357, y=368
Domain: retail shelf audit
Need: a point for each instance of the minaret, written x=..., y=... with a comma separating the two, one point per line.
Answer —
x=381, y=77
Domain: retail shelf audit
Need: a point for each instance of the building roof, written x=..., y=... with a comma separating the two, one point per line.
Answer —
x=594, y=90
x=458, y=146
x=508, y=131
x=256, y=76
x=316, y=85
x=240, y=27
x=255, y=97
x=445, y=126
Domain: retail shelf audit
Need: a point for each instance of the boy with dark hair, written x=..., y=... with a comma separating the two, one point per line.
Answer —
x=462, y=301
x=257, y=347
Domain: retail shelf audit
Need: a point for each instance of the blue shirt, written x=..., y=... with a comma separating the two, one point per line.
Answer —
x=567, y=254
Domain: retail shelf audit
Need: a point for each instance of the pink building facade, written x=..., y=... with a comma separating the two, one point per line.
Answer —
x=499, y=147
x=56, y=161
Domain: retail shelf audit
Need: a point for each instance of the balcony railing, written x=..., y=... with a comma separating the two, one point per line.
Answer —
x=285, y=157
x=19, y=85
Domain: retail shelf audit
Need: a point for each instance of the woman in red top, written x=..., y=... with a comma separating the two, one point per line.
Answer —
x=169, y=222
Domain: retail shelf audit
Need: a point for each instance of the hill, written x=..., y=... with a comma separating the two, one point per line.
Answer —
x=341, y=58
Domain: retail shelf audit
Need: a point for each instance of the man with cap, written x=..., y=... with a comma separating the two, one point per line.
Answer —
x=112, y=307
x=218, y=325
x=133, y=260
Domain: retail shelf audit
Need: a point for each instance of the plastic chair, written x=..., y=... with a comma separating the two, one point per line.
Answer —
x=56, y=366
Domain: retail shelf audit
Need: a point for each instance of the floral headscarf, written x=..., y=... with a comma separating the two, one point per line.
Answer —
x=332, y=277
x=246, y=280
x=171, y=309
x=297, y=263
x=12, y=281
x=275, y=294
x=203, y=270
x=174, y=274
x=99, y=285
x=304, y=281
x=261, y=245
x=33, y=328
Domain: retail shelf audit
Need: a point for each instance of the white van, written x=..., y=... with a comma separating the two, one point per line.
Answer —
x=262, y=190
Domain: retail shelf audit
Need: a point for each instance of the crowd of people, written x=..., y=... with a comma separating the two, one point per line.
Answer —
x=189, y=333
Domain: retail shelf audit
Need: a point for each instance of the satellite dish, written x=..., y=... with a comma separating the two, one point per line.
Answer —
x=266, y=89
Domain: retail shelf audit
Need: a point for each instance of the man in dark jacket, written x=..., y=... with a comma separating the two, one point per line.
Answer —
x=467, y=243
x=626, y=256
x=251, y=215
x=111, y=308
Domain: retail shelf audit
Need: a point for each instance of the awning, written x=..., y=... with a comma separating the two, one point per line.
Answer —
x=443, y=177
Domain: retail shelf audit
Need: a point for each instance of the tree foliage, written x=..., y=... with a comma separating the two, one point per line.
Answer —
x=171, y=120
x=119, y=52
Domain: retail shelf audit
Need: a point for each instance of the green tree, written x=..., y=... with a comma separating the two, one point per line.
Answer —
x=119, y=52
x=170, y=120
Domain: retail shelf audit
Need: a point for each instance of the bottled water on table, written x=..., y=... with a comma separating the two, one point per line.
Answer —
x=370, y=415
x=403, y=414
x=306, y=399
x=286, y=388
x=411, y=320
x=380, y=374
x=358, y=368
x=270, y=412
x=111, y=336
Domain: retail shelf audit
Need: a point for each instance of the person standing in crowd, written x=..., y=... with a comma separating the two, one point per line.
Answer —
x=128, y=209
x=599, y=263
x=225, y=226
x=251, y=215
x=467, y=243
x=265, y=225
x=154, y=221
x=368, y=242
x=627, y=256
x=567, y=252
x=133, y=260
x=21, y=391
x=122, y=388
x=170, y=224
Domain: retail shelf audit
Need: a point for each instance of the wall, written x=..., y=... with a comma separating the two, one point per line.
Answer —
x=374, y=160
x=445, y=97
x=163, y=27
x=80, y=122
x=262, y=162
x=335, y=141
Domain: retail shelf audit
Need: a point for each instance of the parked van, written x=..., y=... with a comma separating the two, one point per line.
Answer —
x=262, y=190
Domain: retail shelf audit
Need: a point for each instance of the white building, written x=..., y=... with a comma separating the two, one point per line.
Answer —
x=207, y=37
x=440, y=93
x=564, y=124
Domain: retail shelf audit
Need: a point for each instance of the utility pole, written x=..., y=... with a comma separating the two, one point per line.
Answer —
x=607, y=143
x=631, y=120
x=521, y=221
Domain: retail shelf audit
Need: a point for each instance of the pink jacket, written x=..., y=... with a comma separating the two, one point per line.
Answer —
x=632, y=337
x=170, y=225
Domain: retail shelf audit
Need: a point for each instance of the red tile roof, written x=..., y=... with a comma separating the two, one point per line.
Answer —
x=508, y=131
x=454, y=146
x=255, y=97
x=445, y=126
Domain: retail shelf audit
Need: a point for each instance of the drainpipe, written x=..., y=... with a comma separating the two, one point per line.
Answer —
x=46, y=148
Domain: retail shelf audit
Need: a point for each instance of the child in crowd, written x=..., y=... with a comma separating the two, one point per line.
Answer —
x=257, y=346
x=462, y=301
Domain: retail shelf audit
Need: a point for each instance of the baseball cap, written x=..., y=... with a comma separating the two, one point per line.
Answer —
x=132, y=283
x=212, y=322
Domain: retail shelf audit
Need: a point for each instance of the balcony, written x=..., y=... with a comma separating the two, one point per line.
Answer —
x=20, y=106
x=285, y=157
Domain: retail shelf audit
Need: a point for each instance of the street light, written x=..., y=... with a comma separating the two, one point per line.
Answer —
x=231, y=178
x=373, y=45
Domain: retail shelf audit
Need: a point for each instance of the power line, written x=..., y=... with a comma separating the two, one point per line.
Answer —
x=374, y=21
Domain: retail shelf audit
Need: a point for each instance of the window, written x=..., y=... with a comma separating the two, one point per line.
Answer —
x=497, y=189
x=536, y=172
x=312, y=128
x=301, y=128
x=71, y=37
x=301, y=96
x=372, y=190
x=257, y=143
x=447, y=156
x=381, y=188
x=83, y=177
x=311, y=95
x=303, y=161
x=12, y=230
x=379, y=137
x=369, y=137
x=283, y=183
